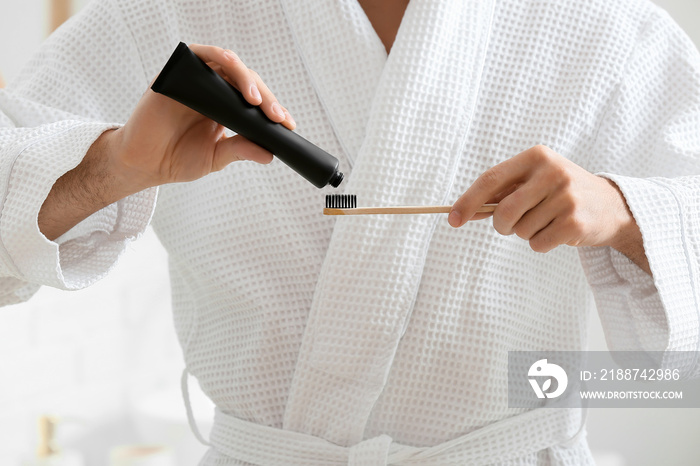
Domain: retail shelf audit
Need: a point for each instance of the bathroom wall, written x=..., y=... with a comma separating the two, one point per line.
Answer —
x=95, y=355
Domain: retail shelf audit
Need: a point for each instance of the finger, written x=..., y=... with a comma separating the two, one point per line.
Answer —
x=549, y=237
x=507, y=192
x=268, y=102
x=514, y=206
x=537, y=218
x=493, y=200
x=220, y=71
x=492, y=182
x=233, y=67
x=288, y=121
x=480, y=216
x=272, y=108
x=238, y=148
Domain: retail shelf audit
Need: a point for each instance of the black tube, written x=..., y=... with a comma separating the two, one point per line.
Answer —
x=188, y=80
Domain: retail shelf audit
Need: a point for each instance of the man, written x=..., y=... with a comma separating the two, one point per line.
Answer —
x=374, y=340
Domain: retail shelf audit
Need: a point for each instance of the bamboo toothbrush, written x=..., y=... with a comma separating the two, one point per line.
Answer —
x=346, y=204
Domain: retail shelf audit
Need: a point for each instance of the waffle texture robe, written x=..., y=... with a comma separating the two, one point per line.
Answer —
x=369, y=340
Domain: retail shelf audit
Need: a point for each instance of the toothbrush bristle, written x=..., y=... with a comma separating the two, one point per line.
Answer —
x=341, y=201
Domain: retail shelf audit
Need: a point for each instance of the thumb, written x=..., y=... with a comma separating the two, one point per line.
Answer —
x=232, y=149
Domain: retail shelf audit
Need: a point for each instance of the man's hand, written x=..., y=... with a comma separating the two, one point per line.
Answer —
x=548, y=200
x=162, y=142
x=166, y=142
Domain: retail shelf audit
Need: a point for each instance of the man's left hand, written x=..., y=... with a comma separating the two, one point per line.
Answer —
x=548, y=200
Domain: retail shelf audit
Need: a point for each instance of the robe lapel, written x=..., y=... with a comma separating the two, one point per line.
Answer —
x=344, y=58
x=415, y=134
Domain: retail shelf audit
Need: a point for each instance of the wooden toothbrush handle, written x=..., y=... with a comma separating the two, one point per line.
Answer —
x=436, y=209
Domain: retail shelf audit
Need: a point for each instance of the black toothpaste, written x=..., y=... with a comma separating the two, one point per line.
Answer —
x=188, y=80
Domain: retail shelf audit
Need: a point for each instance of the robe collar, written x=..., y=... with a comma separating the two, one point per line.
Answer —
x=406, y=141
x=344, y=58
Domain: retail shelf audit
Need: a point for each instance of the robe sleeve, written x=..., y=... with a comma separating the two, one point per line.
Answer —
x=649, y=145
x=85, y=79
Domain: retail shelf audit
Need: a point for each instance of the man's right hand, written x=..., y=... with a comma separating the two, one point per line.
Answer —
x=162, y=142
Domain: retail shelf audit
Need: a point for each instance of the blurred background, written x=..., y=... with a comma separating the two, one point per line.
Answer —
x=106, y=361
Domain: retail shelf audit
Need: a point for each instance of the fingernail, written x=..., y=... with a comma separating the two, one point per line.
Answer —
x=255, y=92
x=277, y=110
x=228, y=54
x=454, y=219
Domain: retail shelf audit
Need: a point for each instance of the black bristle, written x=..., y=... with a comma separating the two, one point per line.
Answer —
x=341, y=201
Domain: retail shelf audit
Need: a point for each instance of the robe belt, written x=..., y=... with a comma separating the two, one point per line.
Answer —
x=510, y=438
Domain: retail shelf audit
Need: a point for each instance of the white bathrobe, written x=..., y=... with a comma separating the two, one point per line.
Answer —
x=379, y=340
